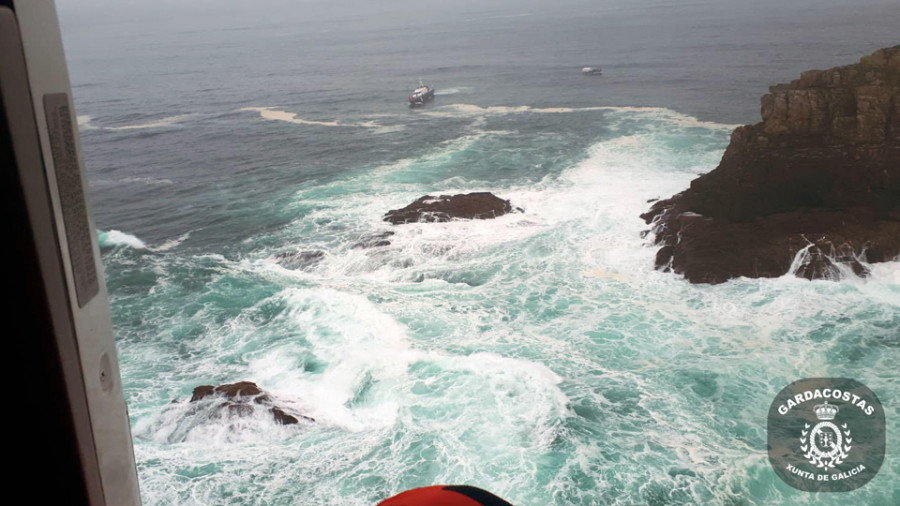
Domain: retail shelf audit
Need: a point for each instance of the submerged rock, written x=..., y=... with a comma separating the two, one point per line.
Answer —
x=473, y=206
x=374, y=240
x=242, y=398
x=299, y=259
x=823, y=167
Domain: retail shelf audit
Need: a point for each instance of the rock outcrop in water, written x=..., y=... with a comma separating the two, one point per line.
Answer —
x=473, y=206
x=374, y=240
x=242, y=398
x=819, y=176
x=299, y=259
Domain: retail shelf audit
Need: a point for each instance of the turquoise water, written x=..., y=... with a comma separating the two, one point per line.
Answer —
x=537, y=355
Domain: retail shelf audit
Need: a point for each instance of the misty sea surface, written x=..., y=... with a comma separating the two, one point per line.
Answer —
x=538, y=355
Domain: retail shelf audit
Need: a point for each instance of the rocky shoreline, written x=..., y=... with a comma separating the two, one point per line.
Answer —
x=814, y=188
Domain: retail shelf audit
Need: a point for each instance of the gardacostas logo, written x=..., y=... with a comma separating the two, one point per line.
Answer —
x=826, y=434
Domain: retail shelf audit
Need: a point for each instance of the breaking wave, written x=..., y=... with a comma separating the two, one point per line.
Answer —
x=113, y=238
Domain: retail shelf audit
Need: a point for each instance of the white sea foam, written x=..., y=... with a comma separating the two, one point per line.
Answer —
x=528, y=353
x=141, y=180
x=114, y=238
x=373, y=389
x=270, y=113
x=356, y=340
x=172, y=243
x=610, y=187
x=166, y=122
x=887, y=273
x=290, y=117
x=668, y=115
x=452, y=91
x=148, y=180
x=84, y=122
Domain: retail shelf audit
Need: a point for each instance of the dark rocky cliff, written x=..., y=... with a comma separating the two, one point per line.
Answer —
x=822, y=168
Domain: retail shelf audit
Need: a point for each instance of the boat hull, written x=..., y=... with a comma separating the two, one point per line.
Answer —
x=419, y=100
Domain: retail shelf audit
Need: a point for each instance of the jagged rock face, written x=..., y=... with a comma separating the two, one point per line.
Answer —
x=241, y=398
x=823, y=165
x=855, y=104
x=475, y=206
x=824, y=261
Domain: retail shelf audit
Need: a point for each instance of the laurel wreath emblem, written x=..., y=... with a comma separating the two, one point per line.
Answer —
x=826, y=459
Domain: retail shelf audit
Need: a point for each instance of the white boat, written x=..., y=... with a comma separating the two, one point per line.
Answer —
x=591, y=71
x=420, y=95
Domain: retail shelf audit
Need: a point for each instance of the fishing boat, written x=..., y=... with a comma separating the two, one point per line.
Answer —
x=421, y=95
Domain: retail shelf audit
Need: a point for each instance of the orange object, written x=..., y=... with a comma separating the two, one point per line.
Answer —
x=445, y=495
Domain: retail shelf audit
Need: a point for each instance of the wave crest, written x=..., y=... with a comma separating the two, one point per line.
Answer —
x=113, y=238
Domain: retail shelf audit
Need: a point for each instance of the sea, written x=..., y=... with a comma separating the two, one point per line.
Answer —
x=538, y=355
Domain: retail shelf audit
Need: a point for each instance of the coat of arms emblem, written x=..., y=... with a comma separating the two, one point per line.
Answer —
x=827, y=444
x=810, y=442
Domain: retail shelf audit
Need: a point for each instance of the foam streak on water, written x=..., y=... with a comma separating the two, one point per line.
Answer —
x=538, y=355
